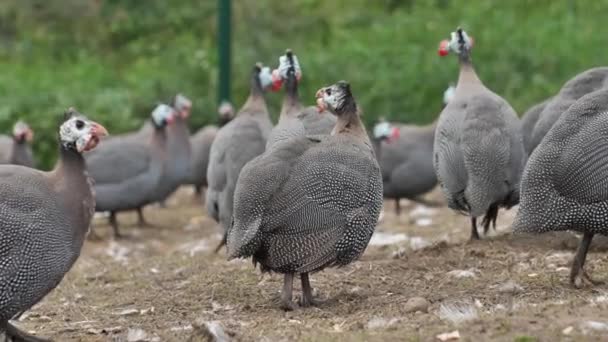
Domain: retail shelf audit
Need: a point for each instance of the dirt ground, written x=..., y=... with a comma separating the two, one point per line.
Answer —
x=419, y=278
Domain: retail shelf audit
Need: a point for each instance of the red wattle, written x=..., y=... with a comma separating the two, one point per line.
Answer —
x=443, y=48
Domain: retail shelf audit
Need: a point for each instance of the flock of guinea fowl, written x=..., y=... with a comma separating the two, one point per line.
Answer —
x=306, y=194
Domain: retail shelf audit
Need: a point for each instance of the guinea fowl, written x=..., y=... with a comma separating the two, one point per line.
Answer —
x=178, y=165
x=564, y=183
x=200, y=143
x=45, y=218
x=235, y=144
x=478, y=150
x=583, y=83
x=528, y=121
x=309, y=202
x=127, y=172
x=16, y=149
x=405, y=155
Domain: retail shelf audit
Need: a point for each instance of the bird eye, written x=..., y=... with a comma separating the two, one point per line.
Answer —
x=79, y=124
x=328, y=91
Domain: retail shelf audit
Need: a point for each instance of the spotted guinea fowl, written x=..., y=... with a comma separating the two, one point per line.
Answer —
x=200, y=143
x=235, y=144
x=16, y=149
x=295, y=119
x=583, y=83
x=565, y=180
x=405, y=155
x=178, y=165
x=127, y=172
x=528, y=121
x=310, y=202
x=478, y=150
x=44, y=219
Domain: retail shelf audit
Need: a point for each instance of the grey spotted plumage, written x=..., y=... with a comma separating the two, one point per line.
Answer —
x=128, y=170
x=309, y=202
x=16, y=149
x=478, y=149
x=583, y=83
x=44, y=218
x=565, y=180
x=235, y=144
x=528, y=121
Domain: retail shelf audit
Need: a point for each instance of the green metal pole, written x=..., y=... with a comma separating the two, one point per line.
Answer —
x=224, y=25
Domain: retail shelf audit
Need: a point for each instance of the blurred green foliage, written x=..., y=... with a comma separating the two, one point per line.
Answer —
x=115, y=59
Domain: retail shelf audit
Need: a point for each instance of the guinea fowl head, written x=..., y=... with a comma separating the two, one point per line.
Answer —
x=383, y=131
x=262, y=76
x=22, y=132
x=288, y=71
x=182, y=105
x=79, y=133
x=162, y=116
x=337, y=99
x=460, y=43
x=225, y=111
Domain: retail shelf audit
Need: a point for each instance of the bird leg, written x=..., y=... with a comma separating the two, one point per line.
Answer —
x=15, y=334
x=474, y=233
x=397, y=207
x=307, y=299
x=141, y=220
x=577, y=273
x=287, y=293
x=114, y=224
x=222, y=243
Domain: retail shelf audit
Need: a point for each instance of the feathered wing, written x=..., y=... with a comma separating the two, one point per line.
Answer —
x=323, y=211
x=20, y=220
x=581, y=173
x=216, y=171
x=448, y=159
x=486, y=146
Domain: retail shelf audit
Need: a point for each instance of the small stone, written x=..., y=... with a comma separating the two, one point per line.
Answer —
x=593, y=326
x=137, y=335
x=416, y=304
x=470, y=273
x=568, y=330
x=450, y=336
x=210, y=330
x=44, y=319
x=510, y=287
x=146, y=311
x=380, y=322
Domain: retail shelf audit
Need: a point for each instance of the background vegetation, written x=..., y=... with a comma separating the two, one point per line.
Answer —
x=114, y=59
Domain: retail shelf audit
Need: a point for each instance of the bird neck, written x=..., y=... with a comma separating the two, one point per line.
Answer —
x=467, y=72
x=291, y=102
x=349, y=121
x=75, y=188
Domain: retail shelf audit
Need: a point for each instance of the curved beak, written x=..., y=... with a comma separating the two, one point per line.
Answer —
x=320, y=102
x=98, y=130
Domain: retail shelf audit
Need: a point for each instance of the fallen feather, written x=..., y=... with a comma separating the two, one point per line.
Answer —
x=454, y=335
x=470, y=273
x=458, y=312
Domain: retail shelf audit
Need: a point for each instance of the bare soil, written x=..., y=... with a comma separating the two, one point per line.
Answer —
x=163, y=283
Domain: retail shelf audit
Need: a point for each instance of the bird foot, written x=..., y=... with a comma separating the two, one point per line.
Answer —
x=582, y=278
x=307, y=302
x=288, y=304
x=15, y=334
